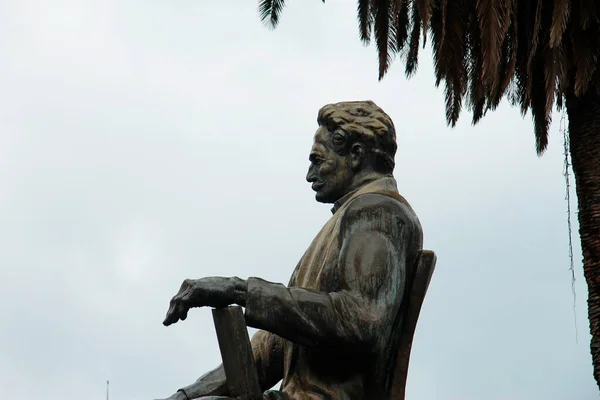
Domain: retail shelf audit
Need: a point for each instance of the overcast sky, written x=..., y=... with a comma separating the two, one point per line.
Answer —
x=143, y=142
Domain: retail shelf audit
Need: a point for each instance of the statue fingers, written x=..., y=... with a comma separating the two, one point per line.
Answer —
x=169, y=318
x=180, y=304
x=177, y=311
x=186, y=288
x=187, y=295
x=183, y=314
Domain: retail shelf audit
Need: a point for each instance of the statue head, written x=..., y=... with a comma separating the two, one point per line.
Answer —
x=354, y=144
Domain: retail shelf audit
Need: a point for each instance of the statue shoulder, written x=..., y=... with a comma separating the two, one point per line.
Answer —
x=383, y=213
x=380, y=205
x=384, y=200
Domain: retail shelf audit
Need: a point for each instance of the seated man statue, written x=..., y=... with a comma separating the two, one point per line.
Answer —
x=332, y=333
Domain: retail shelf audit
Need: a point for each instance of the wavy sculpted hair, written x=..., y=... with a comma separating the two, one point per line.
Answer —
x=364, y=122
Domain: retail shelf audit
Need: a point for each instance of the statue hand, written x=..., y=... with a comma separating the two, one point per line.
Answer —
x=212, y=292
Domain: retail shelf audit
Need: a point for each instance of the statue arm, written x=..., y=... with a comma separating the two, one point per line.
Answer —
x=372, y=256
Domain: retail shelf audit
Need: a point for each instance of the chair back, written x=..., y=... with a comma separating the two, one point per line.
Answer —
x=420, y=282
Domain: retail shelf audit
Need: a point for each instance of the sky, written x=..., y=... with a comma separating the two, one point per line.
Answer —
x=146, y=142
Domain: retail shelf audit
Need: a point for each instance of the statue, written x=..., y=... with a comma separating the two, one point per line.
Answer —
x=334, y=331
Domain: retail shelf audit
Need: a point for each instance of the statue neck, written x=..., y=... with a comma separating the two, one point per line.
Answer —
x=362, y=178
x=357, y=184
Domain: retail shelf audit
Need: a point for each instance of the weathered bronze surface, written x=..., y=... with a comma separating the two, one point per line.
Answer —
x=342, y=328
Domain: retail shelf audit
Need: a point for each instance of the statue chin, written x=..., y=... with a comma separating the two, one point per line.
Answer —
x=320, y=199
x=324, y=198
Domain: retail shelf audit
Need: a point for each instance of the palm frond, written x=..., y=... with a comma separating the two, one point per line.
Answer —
x=588, y=13
x=560, y=17
x=532, y=52
x=477, y=93
x=533, y=44
x=424, y=7
x=382, y=35
x=401, y=24
x=456, y=52
x=443, y=7
x=412, y=58
x=437, y=27
x=585, y=51
x=562, y=66
x=508, y=61
x=269, y=11
x=365, y=20
x=492, y=16
x=541, y=119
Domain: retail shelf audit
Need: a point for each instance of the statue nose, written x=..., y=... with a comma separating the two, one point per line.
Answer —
x=311, y=176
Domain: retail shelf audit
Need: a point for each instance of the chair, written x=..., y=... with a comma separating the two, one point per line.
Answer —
x=422, y=276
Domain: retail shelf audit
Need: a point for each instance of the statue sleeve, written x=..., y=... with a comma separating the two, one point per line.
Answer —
x=374, y=239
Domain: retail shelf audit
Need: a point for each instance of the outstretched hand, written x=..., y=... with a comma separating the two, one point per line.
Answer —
x=206, y=292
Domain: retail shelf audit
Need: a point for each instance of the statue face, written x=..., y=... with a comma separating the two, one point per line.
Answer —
x=331, y=174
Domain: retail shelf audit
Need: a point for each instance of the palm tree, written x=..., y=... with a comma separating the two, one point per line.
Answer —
x=538, y=53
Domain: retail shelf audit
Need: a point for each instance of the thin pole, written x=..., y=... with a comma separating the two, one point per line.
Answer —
x=107, y=383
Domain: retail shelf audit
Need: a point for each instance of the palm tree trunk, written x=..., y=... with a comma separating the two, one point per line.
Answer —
x=584, y=134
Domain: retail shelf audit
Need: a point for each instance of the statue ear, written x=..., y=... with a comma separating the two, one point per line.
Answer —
x=357, y=156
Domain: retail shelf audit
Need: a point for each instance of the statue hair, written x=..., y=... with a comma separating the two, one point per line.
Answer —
x=364, y=122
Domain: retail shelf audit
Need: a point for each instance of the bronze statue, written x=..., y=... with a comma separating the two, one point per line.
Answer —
x=334, y=331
